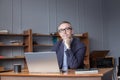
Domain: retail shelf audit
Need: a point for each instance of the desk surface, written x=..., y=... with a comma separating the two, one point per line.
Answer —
x=71, y=73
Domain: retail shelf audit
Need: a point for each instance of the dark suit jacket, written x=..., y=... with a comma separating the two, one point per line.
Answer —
x=75, y=55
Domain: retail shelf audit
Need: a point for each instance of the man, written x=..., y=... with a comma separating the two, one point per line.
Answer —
x=70, y=51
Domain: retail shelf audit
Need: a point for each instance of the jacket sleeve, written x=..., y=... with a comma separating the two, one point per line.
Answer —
x=75, y=60
x=58, y=48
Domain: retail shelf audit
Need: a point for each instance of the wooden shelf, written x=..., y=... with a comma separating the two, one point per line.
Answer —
x=48, y=35
x=45, y=45
x=26, y=41
x=29, y=46
x=13, y=34
x=44, y=35
x=7, y=58
x=12, y=45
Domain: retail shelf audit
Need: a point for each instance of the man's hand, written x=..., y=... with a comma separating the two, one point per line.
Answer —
x=67, y=42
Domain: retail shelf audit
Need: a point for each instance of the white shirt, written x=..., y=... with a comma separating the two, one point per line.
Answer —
x=65, y=66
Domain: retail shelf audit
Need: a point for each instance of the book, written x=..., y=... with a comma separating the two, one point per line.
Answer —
x=86, y=71
x=3, y=31
x=1, y=56
x=78, y=34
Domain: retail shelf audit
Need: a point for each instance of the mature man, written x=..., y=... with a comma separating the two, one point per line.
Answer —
x=70, y=51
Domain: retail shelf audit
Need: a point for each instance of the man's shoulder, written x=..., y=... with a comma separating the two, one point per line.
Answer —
x=56, y=45
x=78, y=42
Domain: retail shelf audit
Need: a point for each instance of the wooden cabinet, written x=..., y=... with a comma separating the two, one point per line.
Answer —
x=12, y=48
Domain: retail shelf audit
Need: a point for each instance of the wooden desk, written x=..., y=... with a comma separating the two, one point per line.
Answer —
x=104, y=74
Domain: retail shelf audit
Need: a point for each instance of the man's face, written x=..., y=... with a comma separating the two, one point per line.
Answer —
x=65, y=31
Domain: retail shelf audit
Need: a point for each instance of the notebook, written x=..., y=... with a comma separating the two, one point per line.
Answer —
x=42, y=62
x=87, y=71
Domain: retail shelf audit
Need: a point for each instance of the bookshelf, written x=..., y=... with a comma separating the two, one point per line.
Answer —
x=27, y=37
x=83, y=37
x=12, y=48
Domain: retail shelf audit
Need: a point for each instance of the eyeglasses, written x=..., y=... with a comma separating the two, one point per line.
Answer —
x=66, y=29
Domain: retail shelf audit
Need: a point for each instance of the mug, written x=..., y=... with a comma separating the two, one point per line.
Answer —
x=17, y=68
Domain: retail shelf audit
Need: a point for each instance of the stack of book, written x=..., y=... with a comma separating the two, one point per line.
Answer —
x=1, y=57
x=3, y=31
x=87, y=71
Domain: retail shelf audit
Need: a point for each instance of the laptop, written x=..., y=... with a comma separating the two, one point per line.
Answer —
x=42, y=62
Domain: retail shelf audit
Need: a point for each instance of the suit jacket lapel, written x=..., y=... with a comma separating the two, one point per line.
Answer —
x=61, y=53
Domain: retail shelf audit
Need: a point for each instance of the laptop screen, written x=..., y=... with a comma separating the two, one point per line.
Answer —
x=42, y=62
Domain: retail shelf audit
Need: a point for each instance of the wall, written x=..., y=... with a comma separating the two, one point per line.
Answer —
x=100, y=18
x=111, y=19
x=42, y=16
